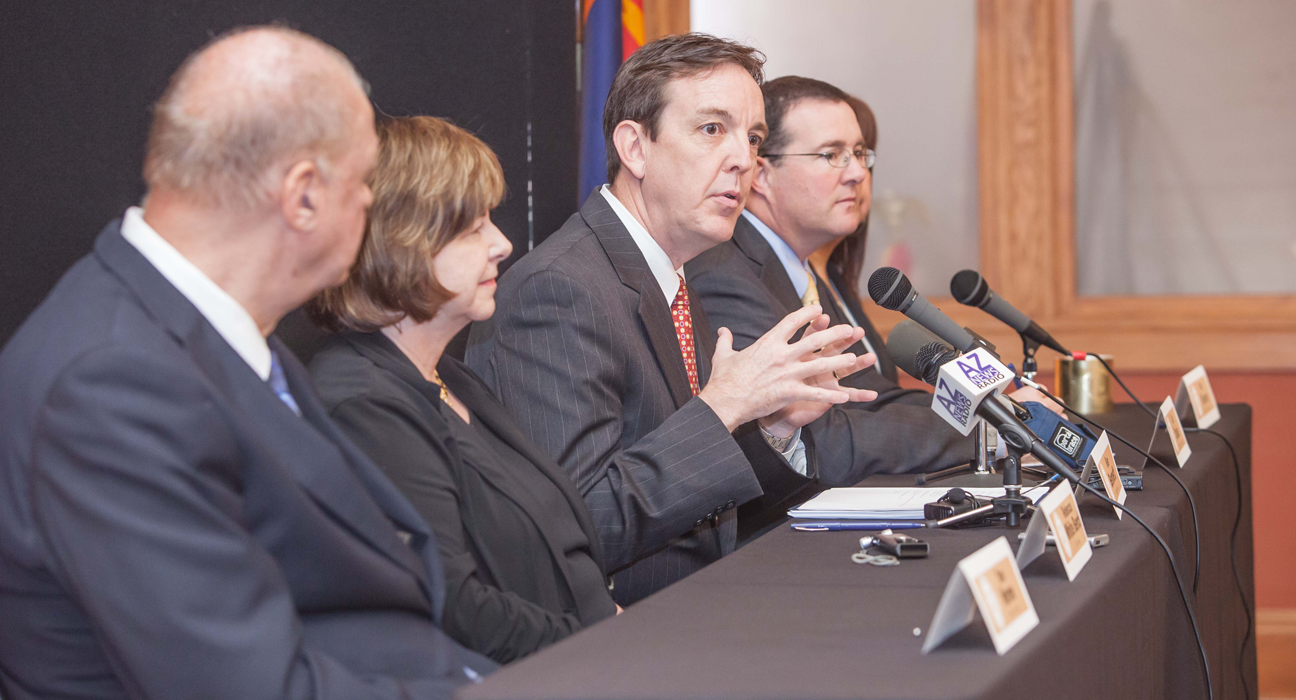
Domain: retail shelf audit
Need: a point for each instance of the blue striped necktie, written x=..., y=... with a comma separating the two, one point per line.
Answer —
x=279, y=383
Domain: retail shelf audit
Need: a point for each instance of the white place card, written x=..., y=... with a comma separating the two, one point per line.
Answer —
x=990, y=581
x=964, y=383
x=1178, y=440
x=1034, y=541
x=1102, y=460
x=1057, y=512
x=1195, y=387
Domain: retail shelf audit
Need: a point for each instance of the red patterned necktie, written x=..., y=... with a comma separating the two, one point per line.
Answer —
x=684, y=332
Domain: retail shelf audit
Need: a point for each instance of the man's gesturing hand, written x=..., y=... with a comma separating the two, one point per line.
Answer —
x=1026, y=393
x=784, y=422
x=771, y=374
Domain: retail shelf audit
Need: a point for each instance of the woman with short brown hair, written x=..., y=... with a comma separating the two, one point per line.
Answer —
x=517, y=543
x=431, y=181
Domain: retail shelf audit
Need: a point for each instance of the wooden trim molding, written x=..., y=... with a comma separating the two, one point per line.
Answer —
x=665, y=17
x=1026, y=169
x=1140, y=342
x=1276, y=622
x=1275, y=650
x=1024, y=153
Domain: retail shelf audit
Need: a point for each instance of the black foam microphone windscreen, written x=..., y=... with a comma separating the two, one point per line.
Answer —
x=907, y=345
x=891, y=289
x=969, y=288
x=930, y=358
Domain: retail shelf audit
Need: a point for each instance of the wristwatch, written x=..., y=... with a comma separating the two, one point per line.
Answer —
x=779, y=444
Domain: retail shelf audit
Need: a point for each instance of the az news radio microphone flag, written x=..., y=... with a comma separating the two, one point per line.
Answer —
x=611, y=30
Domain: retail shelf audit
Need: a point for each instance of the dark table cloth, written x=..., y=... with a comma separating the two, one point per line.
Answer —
x=791, y=616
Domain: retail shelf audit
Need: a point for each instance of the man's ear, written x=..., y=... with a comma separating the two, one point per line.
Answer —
x=631, y=141
x=761, y=181
x=301, y=195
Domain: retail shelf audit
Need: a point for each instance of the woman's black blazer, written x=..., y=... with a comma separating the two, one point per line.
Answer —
x=385, y=406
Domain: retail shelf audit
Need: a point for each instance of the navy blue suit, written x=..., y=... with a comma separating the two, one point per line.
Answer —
x=169, y=528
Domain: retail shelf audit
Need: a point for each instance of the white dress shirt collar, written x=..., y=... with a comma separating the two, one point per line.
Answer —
x=659, y=263
x=226, y=315
x=798, y=270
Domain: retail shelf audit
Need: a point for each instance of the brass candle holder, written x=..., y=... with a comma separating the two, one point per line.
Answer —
x=1085, y=385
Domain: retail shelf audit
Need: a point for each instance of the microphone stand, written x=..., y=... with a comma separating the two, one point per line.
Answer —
x=983, y=461
x=1029, y=366
x=1013, y=505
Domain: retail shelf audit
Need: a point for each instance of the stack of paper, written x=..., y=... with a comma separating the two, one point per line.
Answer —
x=862, y=503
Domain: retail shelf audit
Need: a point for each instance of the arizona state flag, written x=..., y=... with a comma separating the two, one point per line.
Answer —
x=611, y=31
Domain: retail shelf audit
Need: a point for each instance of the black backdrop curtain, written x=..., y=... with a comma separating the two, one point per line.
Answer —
x=77, y=80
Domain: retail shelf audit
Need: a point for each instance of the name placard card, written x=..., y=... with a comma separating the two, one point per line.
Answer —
x=1102, y=460
x=1195, y=387
x=1178, y=440
x=963, y=384
x=1057, y=512
x=987, y=580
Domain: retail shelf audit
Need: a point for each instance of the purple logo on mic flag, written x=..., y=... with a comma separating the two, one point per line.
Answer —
x=955, y=402
x=979, y=373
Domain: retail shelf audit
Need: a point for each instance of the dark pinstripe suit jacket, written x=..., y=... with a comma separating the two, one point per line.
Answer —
x=743, y=285
x=168, y=528
x=582, y=350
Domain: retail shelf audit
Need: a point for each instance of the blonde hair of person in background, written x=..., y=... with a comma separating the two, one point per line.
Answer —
x=432, y=180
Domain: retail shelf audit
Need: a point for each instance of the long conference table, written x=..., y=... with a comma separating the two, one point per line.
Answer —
x=791, y=616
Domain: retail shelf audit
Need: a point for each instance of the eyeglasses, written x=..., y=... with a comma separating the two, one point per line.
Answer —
x=837, y=157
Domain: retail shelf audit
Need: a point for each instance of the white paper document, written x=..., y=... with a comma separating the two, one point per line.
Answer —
x=864, y=503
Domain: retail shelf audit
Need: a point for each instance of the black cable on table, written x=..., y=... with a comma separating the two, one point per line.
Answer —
x=1237, y=578
x=1237, y=471
x=1192, y=505
x=1146, y=455
x=1115, y=376
x=1183, y=593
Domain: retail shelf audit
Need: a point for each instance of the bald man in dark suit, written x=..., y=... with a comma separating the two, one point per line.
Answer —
x=178, y=515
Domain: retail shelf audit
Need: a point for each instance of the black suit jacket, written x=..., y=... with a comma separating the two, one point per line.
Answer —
x=744, y=287
x=494, y=603
x=169, y=528
x=850, y=297
x=582, y=350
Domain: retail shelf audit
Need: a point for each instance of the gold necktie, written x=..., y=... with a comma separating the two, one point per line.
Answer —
x=811, y=296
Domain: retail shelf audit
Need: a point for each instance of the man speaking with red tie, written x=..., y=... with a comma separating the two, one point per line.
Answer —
x=606, y=364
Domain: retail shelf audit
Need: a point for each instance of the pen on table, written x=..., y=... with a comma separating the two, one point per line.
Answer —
x=860, y=525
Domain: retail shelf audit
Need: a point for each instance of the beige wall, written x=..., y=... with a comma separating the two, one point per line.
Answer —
x=914, y=63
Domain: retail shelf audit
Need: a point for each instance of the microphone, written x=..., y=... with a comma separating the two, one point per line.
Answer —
x=927, y=361
x=1011, y=429
x=1020, y=438
x=919, y=352
x=970, y=289
x=890, y=289
x=910, y=346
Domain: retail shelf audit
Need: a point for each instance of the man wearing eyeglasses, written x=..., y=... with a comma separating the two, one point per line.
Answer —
x=806, y=193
